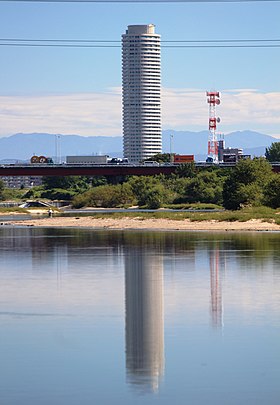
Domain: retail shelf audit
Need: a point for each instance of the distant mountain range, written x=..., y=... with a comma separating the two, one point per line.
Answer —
x=252, y=143
x=23, y=146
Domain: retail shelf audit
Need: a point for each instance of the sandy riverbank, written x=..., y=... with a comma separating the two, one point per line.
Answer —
x=140, y=223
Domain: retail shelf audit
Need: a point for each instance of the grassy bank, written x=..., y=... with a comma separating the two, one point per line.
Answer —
x=261, y=213
x=13, y=210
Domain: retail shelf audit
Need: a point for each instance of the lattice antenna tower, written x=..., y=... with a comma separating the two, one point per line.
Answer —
x=213, y=99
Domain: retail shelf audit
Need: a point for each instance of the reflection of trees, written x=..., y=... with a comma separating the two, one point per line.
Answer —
x=251, y=250
x=144, y=318
x=258, y=245
x=255, y=248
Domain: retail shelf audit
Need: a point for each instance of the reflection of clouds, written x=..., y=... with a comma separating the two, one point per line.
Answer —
x=144, y=318
x=59, y=272
x=245, y=281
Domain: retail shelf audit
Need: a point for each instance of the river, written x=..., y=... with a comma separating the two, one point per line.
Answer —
x=122, y=317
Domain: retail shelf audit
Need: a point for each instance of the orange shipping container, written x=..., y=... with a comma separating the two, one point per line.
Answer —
x=183, y=158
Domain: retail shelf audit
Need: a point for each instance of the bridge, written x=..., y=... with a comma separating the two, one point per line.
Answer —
x=100, y=170
x=83, y=170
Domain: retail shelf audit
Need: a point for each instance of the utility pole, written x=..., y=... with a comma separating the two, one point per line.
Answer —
x=171, y=141
x=57, y=150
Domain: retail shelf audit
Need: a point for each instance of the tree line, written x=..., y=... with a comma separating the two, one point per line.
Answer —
x=249, y=183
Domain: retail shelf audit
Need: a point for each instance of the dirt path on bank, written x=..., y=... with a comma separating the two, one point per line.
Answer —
x=141, y=223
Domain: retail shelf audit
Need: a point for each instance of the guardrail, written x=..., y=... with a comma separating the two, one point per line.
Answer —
x=42, y=169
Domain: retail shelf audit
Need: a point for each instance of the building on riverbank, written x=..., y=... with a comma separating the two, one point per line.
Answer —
x=21, y=181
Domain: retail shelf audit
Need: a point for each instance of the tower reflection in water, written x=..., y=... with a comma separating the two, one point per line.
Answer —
x=144, y=318
x=217, y=268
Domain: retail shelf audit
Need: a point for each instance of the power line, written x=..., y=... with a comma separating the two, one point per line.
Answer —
x=224, y=40
x=118, y=46
x=137, y=1
x=57, y=40
x=61, y=45
x=118, y=41
x=90, y=43
x=222, y=46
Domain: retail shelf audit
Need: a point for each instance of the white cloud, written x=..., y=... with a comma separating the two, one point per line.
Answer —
x=100, y=113
x=84, y=114
x=239, y=110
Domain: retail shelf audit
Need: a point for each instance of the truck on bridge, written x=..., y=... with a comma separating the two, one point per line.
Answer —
x=90, y=159
x=41, y=159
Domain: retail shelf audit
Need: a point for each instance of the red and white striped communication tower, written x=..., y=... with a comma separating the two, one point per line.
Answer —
x=213, y=98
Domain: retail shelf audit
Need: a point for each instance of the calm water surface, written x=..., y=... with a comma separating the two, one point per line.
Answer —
x=91, y=317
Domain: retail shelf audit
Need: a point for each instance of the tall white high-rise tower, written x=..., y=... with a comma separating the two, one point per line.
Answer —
x=141, y=79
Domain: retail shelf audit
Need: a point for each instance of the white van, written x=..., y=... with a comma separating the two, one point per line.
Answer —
x=150, y=163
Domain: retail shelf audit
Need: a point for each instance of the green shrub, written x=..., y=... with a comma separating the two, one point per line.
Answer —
x=58, y=194
x=151, y=191
x=107, y=196
x=206, y=187
x=272, y=192
x=245, y=184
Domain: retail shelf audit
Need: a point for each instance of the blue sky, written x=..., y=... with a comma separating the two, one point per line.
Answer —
x=70, y=90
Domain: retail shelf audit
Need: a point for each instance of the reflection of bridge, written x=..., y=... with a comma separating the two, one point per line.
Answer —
x=99, y=170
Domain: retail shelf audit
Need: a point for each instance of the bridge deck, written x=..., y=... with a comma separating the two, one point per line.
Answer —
x=83, y=170
x=99, y=170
